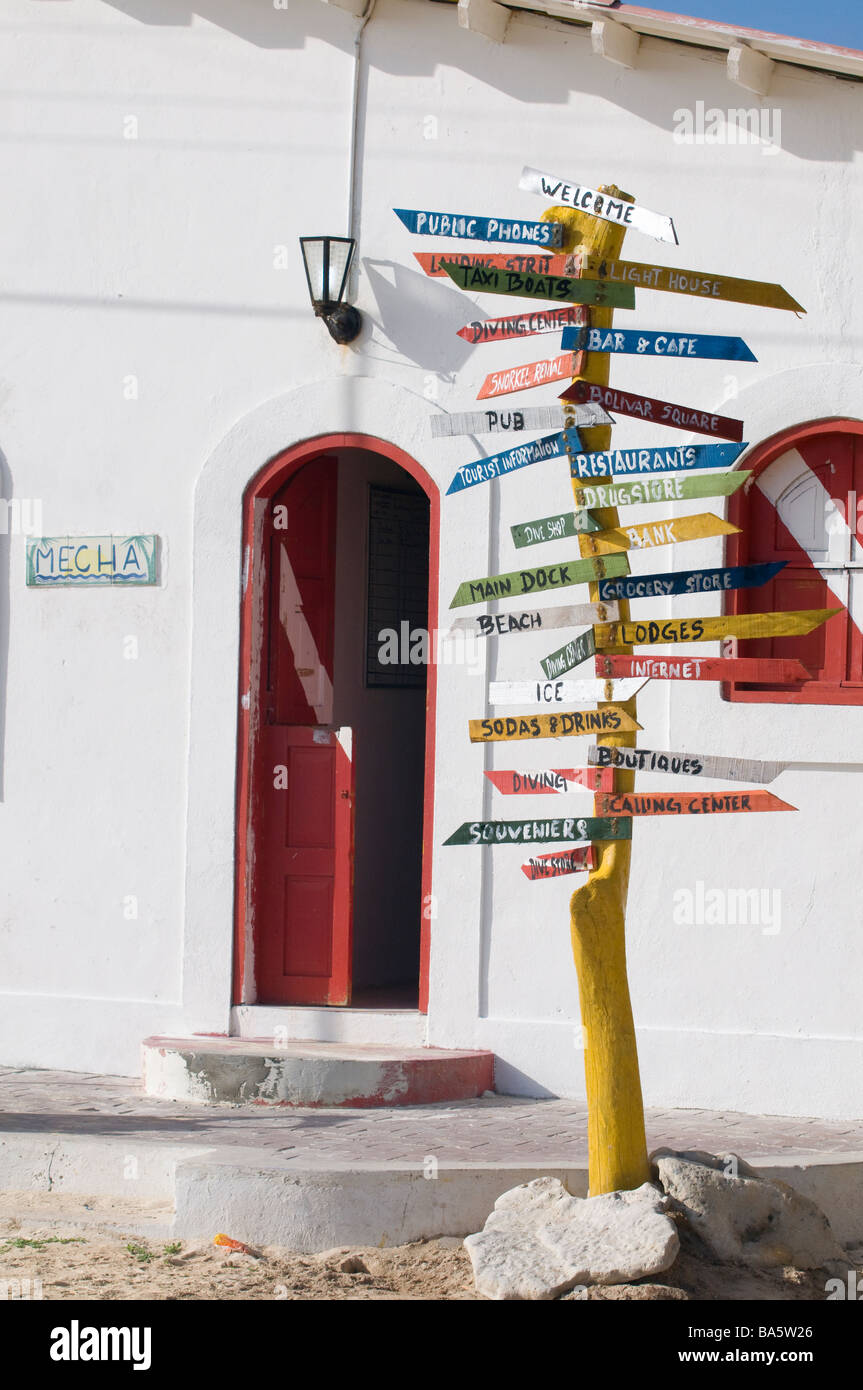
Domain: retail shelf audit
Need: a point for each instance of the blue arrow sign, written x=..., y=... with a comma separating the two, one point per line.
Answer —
x=641, y=343
x=688, y=582
x=469, y=228
x=549, y=446
x=681, y=458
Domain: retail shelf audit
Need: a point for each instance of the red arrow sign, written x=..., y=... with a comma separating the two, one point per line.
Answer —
x=551, y=320
x=685, y=803
x=524, y=262
x=551, y=781
x=570, y=861
x=680, y=417
x=510, y=379
x=757, y=670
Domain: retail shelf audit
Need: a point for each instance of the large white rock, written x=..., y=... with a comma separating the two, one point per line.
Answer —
x=742, y=1217
x=539, y=1241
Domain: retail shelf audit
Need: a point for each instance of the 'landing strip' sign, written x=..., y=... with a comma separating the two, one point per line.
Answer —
x=531, y=417
x=467, y=227
x=597, y=204
x=563, y=289
x=657, y=412
x=520, y=832
x=558, y=576
x=684, y=764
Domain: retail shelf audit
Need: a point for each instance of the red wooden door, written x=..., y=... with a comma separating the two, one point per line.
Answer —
x=304, y=786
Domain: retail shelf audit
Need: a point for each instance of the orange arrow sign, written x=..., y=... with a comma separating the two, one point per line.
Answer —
x=686, y=803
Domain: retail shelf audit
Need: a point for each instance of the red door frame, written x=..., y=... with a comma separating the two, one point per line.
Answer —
x=264, y=484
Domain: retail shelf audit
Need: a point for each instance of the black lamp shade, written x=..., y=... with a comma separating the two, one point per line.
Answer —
x=327, y=261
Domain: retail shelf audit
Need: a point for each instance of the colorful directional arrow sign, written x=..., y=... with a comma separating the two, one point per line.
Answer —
x=699, y=283
x=504, y=383
x=645, y=343
x=652, y=410
x=703, y=581
x=761, y=670
x=663, y=488
x=566, y=290
x=522, y=832
x=795, y=623
x=525, y=262
x=668, y=458
x=610, y=719
x=551, y=781
x=552, y=528
x=598, y=204
x=671, y=532
x=511, y=460
x=561, y=692
x=526, y=325
x=534, y=619
x=537, y=417
x=566, y=658
x=686, y=803
x=571, y=861
x=683, y=764
x=544, y=577
x=468, y=227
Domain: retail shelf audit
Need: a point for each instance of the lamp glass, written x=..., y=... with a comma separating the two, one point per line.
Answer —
x=327, y=262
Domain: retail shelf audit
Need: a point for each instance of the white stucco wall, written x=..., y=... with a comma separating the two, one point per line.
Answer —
x=155, y=159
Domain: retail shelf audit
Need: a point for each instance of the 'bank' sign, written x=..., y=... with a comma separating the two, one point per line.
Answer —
x=61, y=560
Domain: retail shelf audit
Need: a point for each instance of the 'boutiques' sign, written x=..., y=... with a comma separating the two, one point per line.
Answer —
x=61, y=560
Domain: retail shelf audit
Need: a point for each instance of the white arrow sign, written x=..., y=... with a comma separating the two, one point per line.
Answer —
x=575, y=195
x=562, y=692
x=684, y=764
x=534, y=620
x=531, y=417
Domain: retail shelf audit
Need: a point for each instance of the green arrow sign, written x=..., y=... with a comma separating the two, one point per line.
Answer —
x=558, y=576
x=561, y=288
x=522, y=832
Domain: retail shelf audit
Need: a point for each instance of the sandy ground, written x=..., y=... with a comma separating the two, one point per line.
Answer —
x=75, y=1263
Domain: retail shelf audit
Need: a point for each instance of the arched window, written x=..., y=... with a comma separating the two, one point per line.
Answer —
x=801, y=506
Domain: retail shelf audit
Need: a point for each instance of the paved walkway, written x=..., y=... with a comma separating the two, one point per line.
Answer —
x=498, y=1129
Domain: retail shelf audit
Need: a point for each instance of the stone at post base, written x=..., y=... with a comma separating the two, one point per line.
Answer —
x=742, y=1217
x=540, y=1242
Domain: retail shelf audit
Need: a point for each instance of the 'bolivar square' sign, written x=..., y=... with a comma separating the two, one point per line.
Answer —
x=57, y=561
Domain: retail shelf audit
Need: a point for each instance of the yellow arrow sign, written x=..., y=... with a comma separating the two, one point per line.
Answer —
x=743, y=625
x=695, y=282
x=609, y=719
x=649, y=533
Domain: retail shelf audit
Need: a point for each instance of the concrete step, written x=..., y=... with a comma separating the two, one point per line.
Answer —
x=213, y=1071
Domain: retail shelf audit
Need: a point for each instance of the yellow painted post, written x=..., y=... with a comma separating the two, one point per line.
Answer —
x=616, y=1138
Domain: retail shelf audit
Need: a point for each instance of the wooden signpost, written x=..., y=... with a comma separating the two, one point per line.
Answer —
x=531, y=374
x=523, y=832
x=644, y=343
x=560, y=288
x=552, y=528
x=560, y=692
x=592, y=200
x=534, y=619
x=526, y=325
x=572, y=861
x=699, y=283
x=667, y=458
x=558, y=576
x=758, y=670
x=793, y=623
x=659, y=488
x=684, y=764
x=640, y=535
x=706, y=581
x=609, y=719
x=467, y=227
x=551, y=781
x=653, y=411
x=687, y=803
x=536, y=417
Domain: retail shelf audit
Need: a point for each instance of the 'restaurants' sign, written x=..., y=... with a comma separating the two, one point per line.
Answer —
x=520, y=832
x=499, y=465
x=671, y=488
x=760, y=670
x=686, y=803
x=525, y=325
x=643, y=343
x=657, y=412
x=693, y=282
x=597, y=204
x=535, y=417
x=57, y=561
x=559, y=692
x=552, y=528
x=580, y=649
x=563, y=289
x=535, y=619
x=684, y=764
x=665, y=459
x=649, y=533
x=688, y=581
x=795, y=623
x=558, y=576
x=551, y=781
x=571, y=861
x=610, y=719
x=467, y=227
x=503, y=383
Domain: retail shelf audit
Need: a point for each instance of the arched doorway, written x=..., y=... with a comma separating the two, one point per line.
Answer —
x=337, y=728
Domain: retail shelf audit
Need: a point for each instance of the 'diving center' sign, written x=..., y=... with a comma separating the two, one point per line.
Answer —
x=56, y=561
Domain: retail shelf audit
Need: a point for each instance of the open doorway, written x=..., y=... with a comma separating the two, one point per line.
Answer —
x=336, y=744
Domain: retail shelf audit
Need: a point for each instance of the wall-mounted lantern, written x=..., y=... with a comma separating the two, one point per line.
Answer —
x=327, y=260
